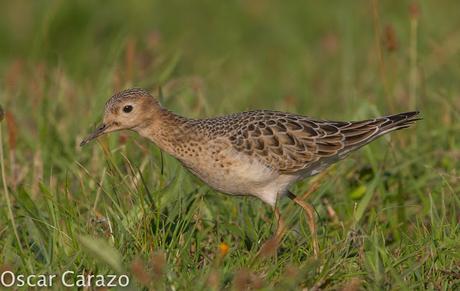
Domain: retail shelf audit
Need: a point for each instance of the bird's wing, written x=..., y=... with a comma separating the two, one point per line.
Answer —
x=290, y=143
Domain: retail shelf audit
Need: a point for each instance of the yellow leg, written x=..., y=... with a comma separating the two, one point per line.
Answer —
x=310, y=212
x=281, y=226
x=271, y=246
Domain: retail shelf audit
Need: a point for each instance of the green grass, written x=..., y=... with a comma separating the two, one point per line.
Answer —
x=121, y=206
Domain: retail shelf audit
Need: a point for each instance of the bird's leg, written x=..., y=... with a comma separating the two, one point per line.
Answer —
x=281, y=226
x=310, y=212
x=271, y=245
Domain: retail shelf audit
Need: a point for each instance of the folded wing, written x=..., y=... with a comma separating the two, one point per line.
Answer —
x=291, y=143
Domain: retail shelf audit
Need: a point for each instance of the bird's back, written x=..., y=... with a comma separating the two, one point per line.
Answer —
x=289, y=143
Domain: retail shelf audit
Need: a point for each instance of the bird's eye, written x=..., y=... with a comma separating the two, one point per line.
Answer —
x=127, y=108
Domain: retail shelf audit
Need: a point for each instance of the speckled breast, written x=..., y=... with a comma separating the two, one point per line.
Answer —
x=223, y=168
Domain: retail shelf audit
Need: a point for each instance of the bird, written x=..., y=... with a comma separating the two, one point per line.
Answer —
x=259, y=153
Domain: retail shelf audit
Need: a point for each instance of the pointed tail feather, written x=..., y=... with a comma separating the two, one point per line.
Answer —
x=398, y=121
x=363, y=132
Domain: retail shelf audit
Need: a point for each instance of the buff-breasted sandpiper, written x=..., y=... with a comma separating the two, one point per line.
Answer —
x=259, y=153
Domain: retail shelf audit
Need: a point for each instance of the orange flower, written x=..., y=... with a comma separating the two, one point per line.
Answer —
x=223, y=249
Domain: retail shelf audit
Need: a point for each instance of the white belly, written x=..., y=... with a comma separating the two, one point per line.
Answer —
x=236, y=173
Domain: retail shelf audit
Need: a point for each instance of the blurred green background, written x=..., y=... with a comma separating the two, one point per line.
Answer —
x=396, y=202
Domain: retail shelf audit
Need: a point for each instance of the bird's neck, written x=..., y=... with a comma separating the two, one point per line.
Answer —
x=165, y=129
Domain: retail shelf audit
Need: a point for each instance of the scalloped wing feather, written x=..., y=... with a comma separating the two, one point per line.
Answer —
x=291, y=143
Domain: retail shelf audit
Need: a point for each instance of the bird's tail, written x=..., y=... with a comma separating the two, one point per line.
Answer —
x=397, y=121
x=360, y=133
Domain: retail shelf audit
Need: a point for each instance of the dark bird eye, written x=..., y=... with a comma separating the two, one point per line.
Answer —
x=127, y=109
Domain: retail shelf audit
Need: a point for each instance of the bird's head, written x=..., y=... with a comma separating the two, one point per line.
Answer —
x=129, y=109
